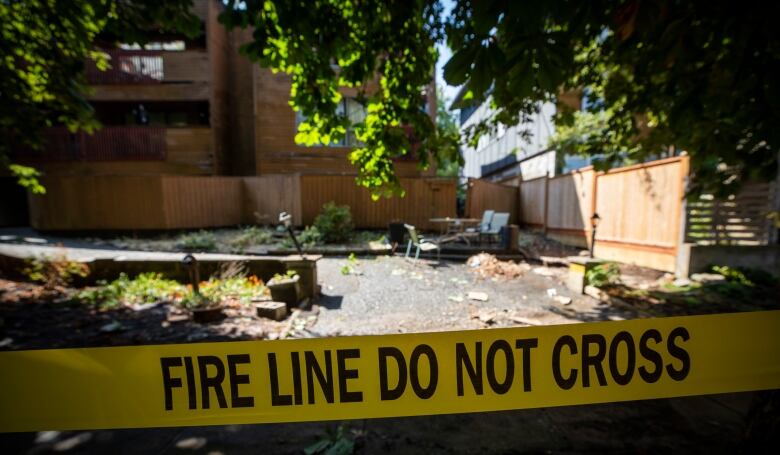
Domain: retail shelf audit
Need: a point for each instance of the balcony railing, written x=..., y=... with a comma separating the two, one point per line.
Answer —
x=128, y=67
x=110, y=143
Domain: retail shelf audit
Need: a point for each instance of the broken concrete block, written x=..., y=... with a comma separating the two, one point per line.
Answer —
x=272, y=310
x=707, y=277
x=479, y=296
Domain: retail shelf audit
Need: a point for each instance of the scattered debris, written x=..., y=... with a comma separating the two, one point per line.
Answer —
x=488, y=266
x=550, y=261
x=455, y=298
x=479, y=296
x=113, y=326
x=563, y=300
x=681, y=282
x=398, y=272
x=526, y=321
x=272, y=310
x=543, y=271
x=595, y=292
x=552, y=292
x=487, y=316
x=707, y=277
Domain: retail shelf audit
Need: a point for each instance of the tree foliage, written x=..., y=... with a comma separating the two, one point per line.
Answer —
x=698, y=76
x=692, y=75
x=384, y=49
x=43, y=51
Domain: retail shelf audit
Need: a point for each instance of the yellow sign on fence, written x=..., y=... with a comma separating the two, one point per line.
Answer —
x=389, y=375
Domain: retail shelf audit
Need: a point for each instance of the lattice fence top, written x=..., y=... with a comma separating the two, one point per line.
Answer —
x=742, y=219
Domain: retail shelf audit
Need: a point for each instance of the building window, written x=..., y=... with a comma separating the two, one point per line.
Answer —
x=354, y=111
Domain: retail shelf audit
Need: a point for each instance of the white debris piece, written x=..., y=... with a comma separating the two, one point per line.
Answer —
x=479, y=296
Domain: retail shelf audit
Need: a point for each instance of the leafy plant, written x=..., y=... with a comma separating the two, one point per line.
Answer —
x=242, y=289
x=745, y=276
x=333, y=443
x=308, y=238
x=288, y=275
x=145, y=288
x=252, y=235
x=311, y=236
x=602, y=275
x=54, y=271
x=198, y=241
x=334, y=223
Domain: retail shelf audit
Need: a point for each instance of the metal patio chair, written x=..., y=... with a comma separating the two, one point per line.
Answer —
x=420, y=243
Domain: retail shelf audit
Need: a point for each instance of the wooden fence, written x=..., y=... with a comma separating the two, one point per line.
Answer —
x=482, y=195
x=425, y=198
x=177, y=202
x=640, y=208
x=741, y=219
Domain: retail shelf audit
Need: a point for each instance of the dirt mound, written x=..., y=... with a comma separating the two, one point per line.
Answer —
x=488, y=266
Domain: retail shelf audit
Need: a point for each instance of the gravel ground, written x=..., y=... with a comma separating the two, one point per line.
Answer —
x=394, y=295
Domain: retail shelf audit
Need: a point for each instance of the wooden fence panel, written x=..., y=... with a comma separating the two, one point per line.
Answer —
x=483, y=195
x=98, y=202
x=424, y=199
x=269, y=195
x=640, y=209
x=532, y=197
x=570, y=201
x=191, y=202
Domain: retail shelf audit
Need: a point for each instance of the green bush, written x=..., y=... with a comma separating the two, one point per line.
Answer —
x=309, y=238
x=55, y=271
x=198, y=241
x=745, y=276
x=252, y=235
x=334, y=224
x=145, y=288
x=602, y=275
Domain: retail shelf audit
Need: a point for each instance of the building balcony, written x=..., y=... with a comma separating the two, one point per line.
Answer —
x=145, y=67
x=188, y=147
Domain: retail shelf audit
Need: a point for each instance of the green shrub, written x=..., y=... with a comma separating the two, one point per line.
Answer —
x=198, y=241
x=252, y=235
x=745, y=276
x=309, y=238
x=145, y=288
x=334, y=223
x=54, y=271
x=602, y=275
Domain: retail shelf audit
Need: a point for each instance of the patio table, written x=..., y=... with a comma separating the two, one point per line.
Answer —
x=455, y=227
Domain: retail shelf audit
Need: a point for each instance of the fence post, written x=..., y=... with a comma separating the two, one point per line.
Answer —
x=546, y=191
x=593, y=211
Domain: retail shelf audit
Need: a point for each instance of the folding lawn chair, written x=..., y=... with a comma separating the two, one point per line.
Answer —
x=420, y=243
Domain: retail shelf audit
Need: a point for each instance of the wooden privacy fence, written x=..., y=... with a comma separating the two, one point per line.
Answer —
x=640, y=209
x=482, y=195
x=425, y=198
x=113, y=202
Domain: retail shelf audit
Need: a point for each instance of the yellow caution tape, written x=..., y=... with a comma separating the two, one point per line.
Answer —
x=387, y=376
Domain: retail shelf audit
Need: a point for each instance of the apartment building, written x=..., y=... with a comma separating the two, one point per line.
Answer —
x=511, y=151
x=179, y=106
